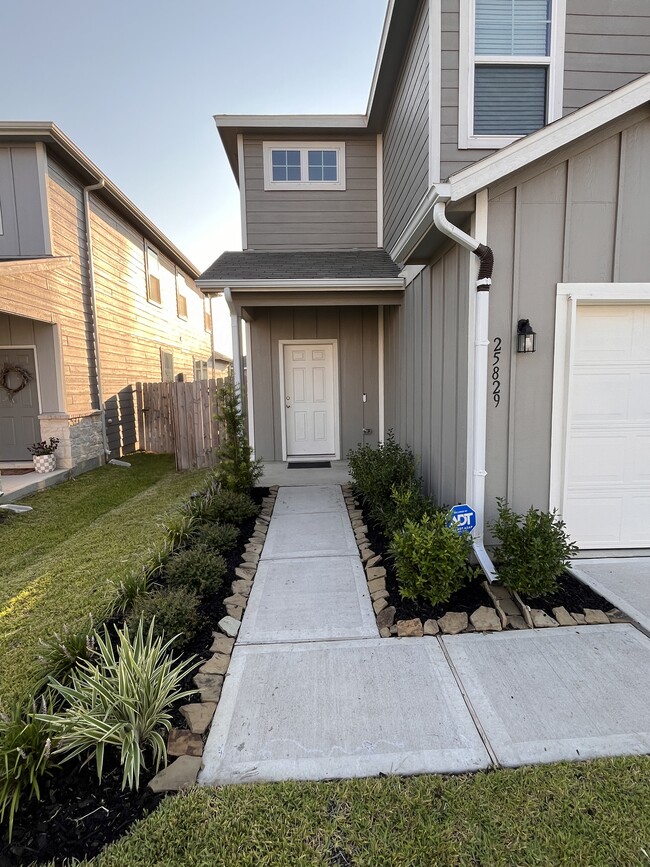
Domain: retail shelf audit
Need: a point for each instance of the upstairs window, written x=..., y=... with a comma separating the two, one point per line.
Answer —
x=153, y=277
x=167, y=366
x=181, y=296
x=309, y=166
x=510, y=69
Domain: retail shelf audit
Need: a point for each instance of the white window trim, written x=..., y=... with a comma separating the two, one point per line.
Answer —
x=468, y=60
x=304, y=147
x=569, y=296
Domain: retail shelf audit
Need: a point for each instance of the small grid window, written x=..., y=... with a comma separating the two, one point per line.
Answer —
x=310, y=166
x=200, y=370
x=153, y=277
x=181, y=296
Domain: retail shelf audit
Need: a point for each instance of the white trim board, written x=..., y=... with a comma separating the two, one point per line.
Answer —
x=569, y=295
x=312, y=341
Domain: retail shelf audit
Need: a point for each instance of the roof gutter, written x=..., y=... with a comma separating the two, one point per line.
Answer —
x=93, y=305
x=480, y=387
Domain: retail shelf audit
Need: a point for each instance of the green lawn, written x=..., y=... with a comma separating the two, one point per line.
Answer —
x=594, y=813
x=57, y=561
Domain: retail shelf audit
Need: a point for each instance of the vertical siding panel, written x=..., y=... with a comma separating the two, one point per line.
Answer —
x=425, y=329
x=370, y=374
x=281, y=322
x=263, y=385
x=437, y=335
x=634, y=194
x=351, y=378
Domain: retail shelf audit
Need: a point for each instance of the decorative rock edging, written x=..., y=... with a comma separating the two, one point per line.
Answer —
x=509, y=611
x=187, y=744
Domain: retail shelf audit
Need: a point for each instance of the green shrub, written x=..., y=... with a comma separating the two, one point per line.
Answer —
x=232, y=507
x=25, y=754
x=406, y=503
x=431, y=558
x=236, y=470
x=197, y=569
x=63, y=651
x=135, y=584
x=535, y=549
x=376, y=471
x=173, y=611
x=217, y=537
x=122, y=700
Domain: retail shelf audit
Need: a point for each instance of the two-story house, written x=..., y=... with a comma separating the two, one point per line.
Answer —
x=93, y=297
x=520, y=126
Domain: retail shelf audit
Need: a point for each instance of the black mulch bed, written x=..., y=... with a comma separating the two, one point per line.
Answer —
x=573, y=595
x=77, y=815
x=467, y=599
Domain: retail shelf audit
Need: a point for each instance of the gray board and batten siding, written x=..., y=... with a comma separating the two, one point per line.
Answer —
x=356, y=330
x=607, y=45
x=426, y=373
x=582, y=219
x=313, y=219
x=406, y=134
x=23, y=202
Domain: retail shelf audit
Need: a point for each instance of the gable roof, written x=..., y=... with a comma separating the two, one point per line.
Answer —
x=67, y=152
x=261, y=267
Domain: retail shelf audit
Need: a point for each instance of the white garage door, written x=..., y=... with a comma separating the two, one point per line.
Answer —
x=608, y=456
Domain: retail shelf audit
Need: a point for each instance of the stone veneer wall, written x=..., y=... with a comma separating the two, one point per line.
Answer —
x=80, y=437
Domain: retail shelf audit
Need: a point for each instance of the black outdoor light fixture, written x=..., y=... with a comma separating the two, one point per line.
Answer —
x=525, y=336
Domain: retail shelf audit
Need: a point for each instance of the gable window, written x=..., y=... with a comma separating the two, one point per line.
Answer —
x=510, y=69
x=300, y=165
x=181, y=296
x=153, y=277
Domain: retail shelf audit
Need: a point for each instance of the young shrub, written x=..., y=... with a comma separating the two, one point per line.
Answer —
x=64, y=650
x=25, y=754
x=129, y=589
x=431, y=558
x=122, y=699
x=172, y=611
x=376, y=471
x=236, y=470
x=406, y=503
x=217, y=537
x=197, y=569
x=535, y=549
x=232, y=507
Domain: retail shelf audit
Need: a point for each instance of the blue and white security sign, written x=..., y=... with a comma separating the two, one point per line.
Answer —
x=463, y=518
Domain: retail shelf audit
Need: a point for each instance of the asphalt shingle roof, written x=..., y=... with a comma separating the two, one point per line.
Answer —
x=302, y=265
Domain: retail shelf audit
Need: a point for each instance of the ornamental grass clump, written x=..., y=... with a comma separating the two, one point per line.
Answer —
x=431, y=558
x=375, y=471
x=26, y=744
x=535, y=549
x=197, y=569
x=129, y=589
x=122, y=700
x=63, y=651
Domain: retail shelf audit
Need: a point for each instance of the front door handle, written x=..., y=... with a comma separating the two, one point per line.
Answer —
x=286, y=401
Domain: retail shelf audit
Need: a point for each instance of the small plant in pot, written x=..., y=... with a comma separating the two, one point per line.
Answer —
x=43, y=455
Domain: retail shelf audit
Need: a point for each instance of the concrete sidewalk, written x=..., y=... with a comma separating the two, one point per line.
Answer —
x=313, y=693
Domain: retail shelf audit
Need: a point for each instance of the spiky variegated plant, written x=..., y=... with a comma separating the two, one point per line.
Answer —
x=121, y=699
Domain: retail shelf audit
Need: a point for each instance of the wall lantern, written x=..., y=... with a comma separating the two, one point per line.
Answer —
x=525, y=336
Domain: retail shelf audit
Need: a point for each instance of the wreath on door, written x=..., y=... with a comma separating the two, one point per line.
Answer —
x=13, y=378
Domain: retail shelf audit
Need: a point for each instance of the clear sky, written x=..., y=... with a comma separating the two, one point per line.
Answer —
x=135, y=83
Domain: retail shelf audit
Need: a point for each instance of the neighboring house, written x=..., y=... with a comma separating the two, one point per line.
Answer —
x=525, y=123
x=93, y=298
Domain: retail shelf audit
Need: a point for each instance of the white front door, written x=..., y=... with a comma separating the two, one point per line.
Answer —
x=310, y=399
x=607, y=501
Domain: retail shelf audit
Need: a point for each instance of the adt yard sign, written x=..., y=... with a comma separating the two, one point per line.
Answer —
x=463, y=518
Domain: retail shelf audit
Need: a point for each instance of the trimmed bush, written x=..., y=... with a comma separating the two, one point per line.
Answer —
x=431, y=558
x=196, y=569
x=376, y=471
x=172, y=612
x=231, y=507
x=535, y=549
x=406, y=503
x=217, y=537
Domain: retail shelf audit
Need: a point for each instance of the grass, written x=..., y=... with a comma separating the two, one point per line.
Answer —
x=57, y=560
x=592, y=813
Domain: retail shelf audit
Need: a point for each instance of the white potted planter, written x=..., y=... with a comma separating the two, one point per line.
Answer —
x=43, y=455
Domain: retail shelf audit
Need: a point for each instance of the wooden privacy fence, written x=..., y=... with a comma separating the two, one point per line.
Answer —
x=179, y=418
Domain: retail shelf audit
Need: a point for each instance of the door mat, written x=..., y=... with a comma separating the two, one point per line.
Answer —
x=17, y=472
x=309, y=465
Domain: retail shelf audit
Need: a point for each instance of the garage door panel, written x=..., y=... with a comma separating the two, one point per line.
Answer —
x=607, y=496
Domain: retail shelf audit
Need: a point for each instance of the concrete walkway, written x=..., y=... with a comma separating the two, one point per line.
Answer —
x=625, y=581
x=313, y=693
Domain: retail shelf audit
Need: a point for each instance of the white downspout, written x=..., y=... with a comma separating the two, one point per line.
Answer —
x=93, y=304
x=481, y=344
x=236, y=339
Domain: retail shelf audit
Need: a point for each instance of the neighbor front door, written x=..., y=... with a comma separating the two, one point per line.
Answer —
x=19, y=425
x=310, y=399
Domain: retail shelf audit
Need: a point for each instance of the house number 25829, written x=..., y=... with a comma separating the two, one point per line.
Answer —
x=496, y=382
